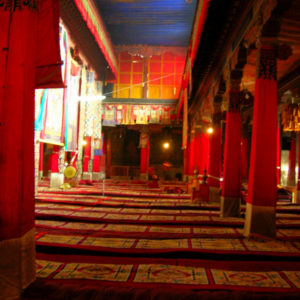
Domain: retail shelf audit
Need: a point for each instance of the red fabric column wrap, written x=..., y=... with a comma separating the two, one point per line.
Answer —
x=41, y=160
x=232, y=154
x=18, y=39
x=204, y=152
x=96, y=163
x=54, y=159
x=103, y=157
x=214, y=158
x=87, y=153
x=192, y=156
x=278, y=157
x=244, y=158
x=298, y=179
x=262, y=189
x=144, y=159
x=185, y=160
x=292, y=163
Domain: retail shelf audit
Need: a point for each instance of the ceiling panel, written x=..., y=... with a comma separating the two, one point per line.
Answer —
x=148, y=22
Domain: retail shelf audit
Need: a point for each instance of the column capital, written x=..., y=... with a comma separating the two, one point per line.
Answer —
x=267, y=66
x=16, y=5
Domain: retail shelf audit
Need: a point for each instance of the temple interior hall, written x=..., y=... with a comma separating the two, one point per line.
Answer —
x=149, y=149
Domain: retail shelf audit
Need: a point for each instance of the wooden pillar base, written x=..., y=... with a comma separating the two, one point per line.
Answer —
x=87, y=176
x=56, y=180
x=296, y=197
x=260, y=220
x=17, y=265
x=143, y=176
x=230, y=207
x=214, y=194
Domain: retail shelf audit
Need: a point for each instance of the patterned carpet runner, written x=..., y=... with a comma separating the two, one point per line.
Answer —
x=133, y=238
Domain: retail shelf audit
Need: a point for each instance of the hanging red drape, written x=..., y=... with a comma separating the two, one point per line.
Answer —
x=48, y=61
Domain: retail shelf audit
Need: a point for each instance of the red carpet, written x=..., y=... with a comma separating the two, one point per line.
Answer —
x=162, y=246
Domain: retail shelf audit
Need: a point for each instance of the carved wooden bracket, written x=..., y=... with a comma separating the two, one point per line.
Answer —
x=13, y=5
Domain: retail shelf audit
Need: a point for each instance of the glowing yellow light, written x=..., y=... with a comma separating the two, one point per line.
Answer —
x=84, y=143
x=210, y=130
x=166, y=145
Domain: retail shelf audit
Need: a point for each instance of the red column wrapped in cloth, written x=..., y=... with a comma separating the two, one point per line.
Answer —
x=20, y=23
x=262, y=187
x=214, y=160
x=87, y=154
x=230, y=200
x=144, y=160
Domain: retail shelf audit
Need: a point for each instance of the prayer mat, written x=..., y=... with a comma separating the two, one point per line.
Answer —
x=167, y=274
x=149, y=211
x=138, y=231
x=114, y=191
x=189, y=245
x=136, y=218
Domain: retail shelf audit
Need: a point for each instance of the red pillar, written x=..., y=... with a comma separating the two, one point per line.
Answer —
x=96, y=159
x=230, y=200
x=214, y=158
x=87, y=154
x=197, y=151
x=17, y=82
x=186, y=162
x=54, y=159
x=278, y=157
x=41, y=160
x=102, y=164
x=96, y=163
x=192, y=155
x=297, y=198
x=108, y=155
x=144, y=158
x=244, y=158
x=204, y=153
x=262, y=189
x=292, y=163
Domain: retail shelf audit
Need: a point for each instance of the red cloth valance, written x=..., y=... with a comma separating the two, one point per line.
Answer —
x=48, y=60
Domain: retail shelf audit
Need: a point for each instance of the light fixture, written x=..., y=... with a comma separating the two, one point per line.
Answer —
x=84, y=142
x=166, y=145
x=210, y=130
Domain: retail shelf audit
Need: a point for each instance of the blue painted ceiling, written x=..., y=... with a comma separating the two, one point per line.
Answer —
x=148, y=22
